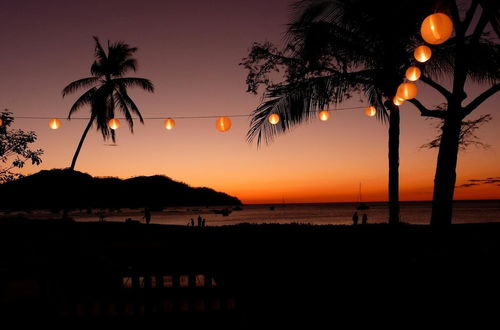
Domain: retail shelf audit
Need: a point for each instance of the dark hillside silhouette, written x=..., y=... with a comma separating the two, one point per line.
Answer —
x=59, y=189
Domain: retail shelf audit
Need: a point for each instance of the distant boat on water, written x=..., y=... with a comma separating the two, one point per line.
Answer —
x=225, y=212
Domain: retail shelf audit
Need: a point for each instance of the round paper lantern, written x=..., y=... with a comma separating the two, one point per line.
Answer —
x=114, y=123
x=324, y=115
x=422, y=53
x=274, y=118
x=169, y=123
x=407, y=91
x=436, y=28
x=54, y=123
x=413, y=73
x=370, y=111
x=223, y=124
x=397, y=100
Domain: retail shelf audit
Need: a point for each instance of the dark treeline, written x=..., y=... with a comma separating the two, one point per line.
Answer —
x=59, y=189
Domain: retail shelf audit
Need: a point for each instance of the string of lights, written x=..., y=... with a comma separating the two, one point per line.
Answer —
x=179, y=117
x=222, y=123
x=435, y=29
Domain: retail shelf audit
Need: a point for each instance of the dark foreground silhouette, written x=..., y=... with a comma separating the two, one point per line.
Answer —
x=247, y=276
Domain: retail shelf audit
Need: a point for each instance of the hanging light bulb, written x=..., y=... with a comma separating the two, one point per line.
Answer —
x=169, y=124
x=324, y=115
x=274, y=118
x=422, y=53
x=436, y=28
x=54, y=123
x=223, y=124
x=413, y=73
x=114, y=123
x=407, y=91
x=370, y=111
x=397, y=100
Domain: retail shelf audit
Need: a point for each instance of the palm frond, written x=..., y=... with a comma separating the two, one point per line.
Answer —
x=129, y=102
x=483, y=61
x=122, y=105
x=84, y=99
x=129, y=64
x=294, y=103
x=143, y=83
x=99, y=52
x=77, y=84
x=102, y=108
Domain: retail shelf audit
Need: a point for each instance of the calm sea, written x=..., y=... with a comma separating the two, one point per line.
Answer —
x=325, y=213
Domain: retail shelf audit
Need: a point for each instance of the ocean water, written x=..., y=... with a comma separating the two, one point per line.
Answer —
x=324, y=213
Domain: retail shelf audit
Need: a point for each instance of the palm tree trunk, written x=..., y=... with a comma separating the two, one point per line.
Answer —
x=444, y=181
x=73, y=162
x=393, y=164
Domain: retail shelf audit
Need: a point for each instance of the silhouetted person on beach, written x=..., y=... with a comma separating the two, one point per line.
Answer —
x=364, y=219
x=199, y=221
x=192, y=222
x=147, y=215
x=101, y=215
x=355, y=218
x=203, y=222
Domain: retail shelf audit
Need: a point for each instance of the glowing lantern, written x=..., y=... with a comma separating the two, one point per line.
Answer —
x=54, y=123
x=114, y=123
x=223, y=124
x=407, y=91
x=1, y=122
x=436, y=28
x=370, y=111
x=324, y=115
x=397, y=100
x=413, y=73
x=274, y=118
x=422, y=53
x=169, y=123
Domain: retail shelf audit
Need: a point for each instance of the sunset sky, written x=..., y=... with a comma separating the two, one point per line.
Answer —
x=191, y=50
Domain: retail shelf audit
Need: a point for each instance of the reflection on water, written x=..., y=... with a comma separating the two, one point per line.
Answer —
x=325, y=213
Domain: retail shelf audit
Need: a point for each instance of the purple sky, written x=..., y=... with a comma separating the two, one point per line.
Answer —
x=191, y=50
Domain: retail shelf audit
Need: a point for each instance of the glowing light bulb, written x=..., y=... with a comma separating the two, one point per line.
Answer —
x=324, y=115
x=54, y=123
x=274, y=118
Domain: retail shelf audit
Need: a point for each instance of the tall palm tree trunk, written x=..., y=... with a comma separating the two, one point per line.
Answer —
x=444, y=181
x=77, y=152
x=393, y=164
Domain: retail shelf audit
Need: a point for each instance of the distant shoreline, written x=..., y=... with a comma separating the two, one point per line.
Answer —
x=374, y=202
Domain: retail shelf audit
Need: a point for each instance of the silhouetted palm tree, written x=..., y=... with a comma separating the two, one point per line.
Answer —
x=108, y=89
x=335, y=48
